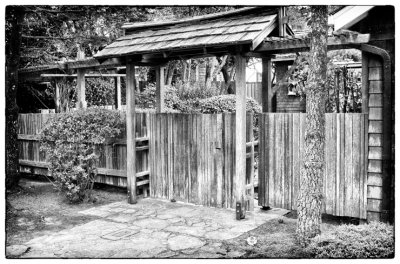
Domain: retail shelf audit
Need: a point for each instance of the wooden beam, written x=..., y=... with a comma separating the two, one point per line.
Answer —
x=130, y=133
x=264, y=33
x=240, y=131
x=89, y=75
x=117, y=92
x=160, y=89
x=81, y=90
x=289, y=45
x=266, y=86
x=281, y=25
x=364, y=83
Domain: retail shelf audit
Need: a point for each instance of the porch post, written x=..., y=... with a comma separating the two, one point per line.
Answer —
x=130, y=132
x=117, y=93
x=80, y=89
x=266, y=86
x=240, y=133
x=160, y=90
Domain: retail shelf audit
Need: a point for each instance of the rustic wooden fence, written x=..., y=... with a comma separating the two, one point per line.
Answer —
x=282, y=153
x=192, y=158
x=112, y=163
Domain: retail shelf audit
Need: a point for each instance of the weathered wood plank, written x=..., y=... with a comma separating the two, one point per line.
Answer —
x=375, y=140
x=130, y=131
x=375, y=100
x=375, y=113
x=374, y=192
x=375, y=73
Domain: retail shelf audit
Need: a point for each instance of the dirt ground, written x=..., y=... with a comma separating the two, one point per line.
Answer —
x=37, y=209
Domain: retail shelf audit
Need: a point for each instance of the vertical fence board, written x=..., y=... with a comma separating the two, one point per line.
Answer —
x=282, y=146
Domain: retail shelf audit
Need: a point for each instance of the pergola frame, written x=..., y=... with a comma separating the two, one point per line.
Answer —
x=265, y=50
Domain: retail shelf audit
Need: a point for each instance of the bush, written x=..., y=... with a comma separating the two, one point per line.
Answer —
x=69, y=141
x=99, y=92
x=375, y=240
x=225, y=104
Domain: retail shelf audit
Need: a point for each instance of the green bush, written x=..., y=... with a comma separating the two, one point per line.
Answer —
x=70, y=141
x=374, y=240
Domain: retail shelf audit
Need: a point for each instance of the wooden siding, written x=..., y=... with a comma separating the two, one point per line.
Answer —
x=112, y=160
x=375, y=135
x=282, y=155
x=192, y=159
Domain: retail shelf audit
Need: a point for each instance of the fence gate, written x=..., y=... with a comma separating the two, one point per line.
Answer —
x=192, y=158
x=281, y=157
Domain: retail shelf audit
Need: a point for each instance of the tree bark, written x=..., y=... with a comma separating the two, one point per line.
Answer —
x=312, y=172
x=14, y=17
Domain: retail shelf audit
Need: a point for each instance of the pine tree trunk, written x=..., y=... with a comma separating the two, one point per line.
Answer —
x=14, y=17
x=312, y=172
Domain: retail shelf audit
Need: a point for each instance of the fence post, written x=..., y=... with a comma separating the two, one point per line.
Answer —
x=266, y=88
x=240, y=133
x=81, y=89
x=117, y=93
x=130, y=132
x=160, y=90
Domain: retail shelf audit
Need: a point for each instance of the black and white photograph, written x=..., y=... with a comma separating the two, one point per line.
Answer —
x=195, y=131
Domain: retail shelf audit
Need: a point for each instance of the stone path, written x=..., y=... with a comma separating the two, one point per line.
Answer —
x=149, y=229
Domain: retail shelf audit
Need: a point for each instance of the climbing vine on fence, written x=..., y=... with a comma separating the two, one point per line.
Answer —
x=71, y=141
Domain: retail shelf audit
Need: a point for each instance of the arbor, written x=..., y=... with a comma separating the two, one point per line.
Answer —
x=311, y=188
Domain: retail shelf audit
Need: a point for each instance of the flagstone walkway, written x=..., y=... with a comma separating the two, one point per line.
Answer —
x=149, y=229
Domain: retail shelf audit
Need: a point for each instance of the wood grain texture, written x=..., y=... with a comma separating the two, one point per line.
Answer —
x=281, y=155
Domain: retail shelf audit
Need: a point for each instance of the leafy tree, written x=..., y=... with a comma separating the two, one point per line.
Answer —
x=310, y=197
x=14, y=17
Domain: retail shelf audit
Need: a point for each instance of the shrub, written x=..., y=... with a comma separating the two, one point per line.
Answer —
x=375, y=240
x=99, y=92
x=225, y=103
x=69, y=141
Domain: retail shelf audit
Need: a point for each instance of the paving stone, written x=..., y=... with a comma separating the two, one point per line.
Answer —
x=189, y=230
x=151, y=223
x=156, y=228
x=184, y=242
x=15, y=250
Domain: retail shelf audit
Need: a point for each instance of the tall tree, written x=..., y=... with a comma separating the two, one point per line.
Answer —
x=14, y=17
x=312, y=172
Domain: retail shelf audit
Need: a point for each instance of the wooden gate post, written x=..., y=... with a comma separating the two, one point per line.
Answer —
x=81, y=89
x=160, y=90
x=117, y=92
x=240, y=129
x=130, y=132
x=266, y=89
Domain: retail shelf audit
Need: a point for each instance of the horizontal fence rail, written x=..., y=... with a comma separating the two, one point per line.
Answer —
x=282, y=147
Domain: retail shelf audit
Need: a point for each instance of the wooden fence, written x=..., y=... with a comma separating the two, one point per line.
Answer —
x=112, y=162
x=192, y=158
x=282, y=153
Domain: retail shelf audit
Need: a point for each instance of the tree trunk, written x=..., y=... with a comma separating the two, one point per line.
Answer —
x=312, y=172
x=14, y=17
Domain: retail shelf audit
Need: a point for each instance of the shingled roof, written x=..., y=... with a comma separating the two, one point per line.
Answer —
x=244, y=26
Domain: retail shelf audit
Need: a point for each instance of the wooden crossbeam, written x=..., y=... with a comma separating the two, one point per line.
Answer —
x=88, y=75
x=302, y=44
